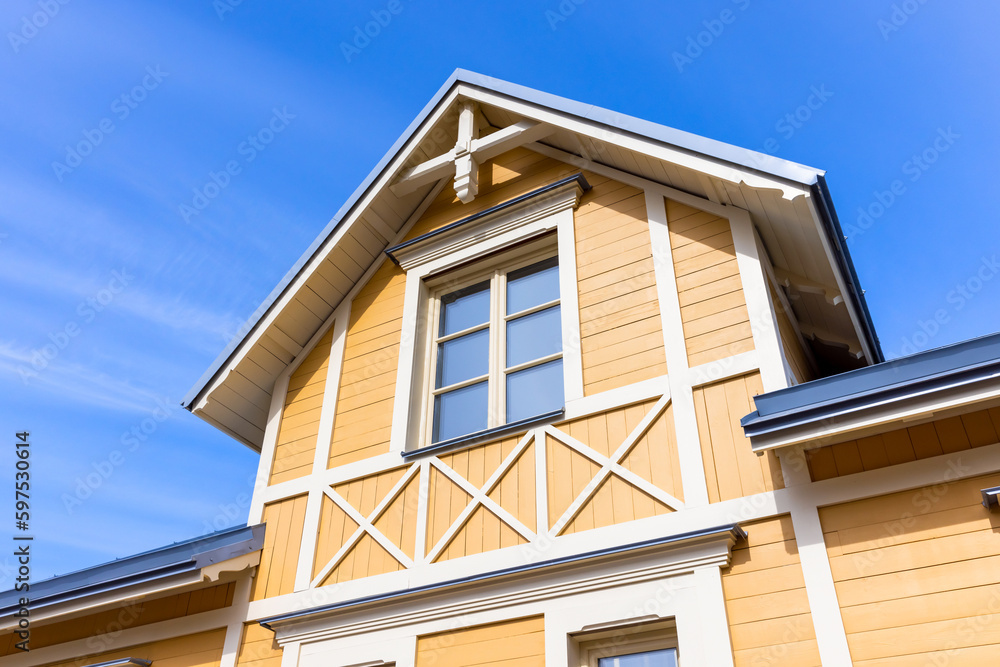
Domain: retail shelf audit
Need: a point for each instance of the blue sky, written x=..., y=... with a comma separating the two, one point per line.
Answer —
x=115, y=301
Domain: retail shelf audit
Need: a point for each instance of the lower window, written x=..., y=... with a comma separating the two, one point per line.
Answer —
x=663, y=658
x=639, y=645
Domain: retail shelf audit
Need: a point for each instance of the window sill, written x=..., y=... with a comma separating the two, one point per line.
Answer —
x=455, y=444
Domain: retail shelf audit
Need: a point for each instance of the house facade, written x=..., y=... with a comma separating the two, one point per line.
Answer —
x=559, y=386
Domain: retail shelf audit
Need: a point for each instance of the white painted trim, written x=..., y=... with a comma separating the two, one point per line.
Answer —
x=328, y=411
x=831, y=638
x=712, y=167
x=724, y=369
x=234, y=631
x=763, y=324
x=685, y=420
x=712, y=618
x=569, y=295
x=268, y=448
x=619, y=397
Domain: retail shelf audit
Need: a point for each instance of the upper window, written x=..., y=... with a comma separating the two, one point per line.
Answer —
x=496, y=349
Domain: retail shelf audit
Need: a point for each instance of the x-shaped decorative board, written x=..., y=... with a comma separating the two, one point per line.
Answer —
x=611, y=466
x=366, y=525
x=481, y=497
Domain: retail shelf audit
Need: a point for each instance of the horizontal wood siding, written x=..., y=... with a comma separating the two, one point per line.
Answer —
x=280, y=555
x=363, y=421
x=944, y=436
x=621, y=335
x=200, y=650
x=766, y=603
x=713, y=307
x=519, y=643
x=732, y=470
x=126, y=615
x=918, y=575
x=258, y=648
x=296, y=445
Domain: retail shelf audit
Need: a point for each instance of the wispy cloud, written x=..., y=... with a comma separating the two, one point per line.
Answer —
x=75, y=381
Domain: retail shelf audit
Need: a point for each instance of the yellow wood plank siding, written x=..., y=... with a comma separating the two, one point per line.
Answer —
x=944, y=436
x=766, y=602
x=296, y=445
x=280, y=555
x=653, y=457
x=621, y=336
x=518, y=643
x=797, y=359
x=258, y=648
x=107, y=625
x=483, y=530
x=918, y=575
x=365, y=557
x=200, y=650
x=732, y=470
x=363, y=420
x=713, y=307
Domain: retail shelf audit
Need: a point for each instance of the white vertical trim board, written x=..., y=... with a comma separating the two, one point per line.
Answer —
x=763, y=323
x=569, y=297
x=685, y=421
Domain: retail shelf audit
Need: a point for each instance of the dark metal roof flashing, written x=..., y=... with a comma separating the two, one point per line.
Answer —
x=940, y=368
x=178, y=558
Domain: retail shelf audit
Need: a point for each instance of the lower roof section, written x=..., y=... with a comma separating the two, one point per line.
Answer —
x=164, y=569
x=904, y=388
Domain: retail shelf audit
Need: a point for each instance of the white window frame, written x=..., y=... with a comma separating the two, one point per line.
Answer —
x=494, y=270
x=628, y=640
x=508, y=229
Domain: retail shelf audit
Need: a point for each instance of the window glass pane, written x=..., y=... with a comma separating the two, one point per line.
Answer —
x=533, y=285
x=664, y=658
x=465, y=308
x=535, y=391
x=460, y=412
x=463, y=358
x=534, y=336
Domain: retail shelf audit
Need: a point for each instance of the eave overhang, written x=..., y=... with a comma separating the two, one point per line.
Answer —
x=215, y=557
x=238, y=402
x=919, y=387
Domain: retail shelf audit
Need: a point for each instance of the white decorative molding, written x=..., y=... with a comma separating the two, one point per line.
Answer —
x=511, y=222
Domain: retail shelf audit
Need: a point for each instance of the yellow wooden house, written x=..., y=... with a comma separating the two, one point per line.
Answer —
x=559, y=386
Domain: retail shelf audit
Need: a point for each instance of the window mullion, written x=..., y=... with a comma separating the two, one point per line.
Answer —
x=497, y=383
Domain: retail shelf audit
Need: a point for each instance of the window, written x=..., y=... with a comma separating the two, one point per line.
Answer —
x=639, y=645
x=662, y=658
x=496, y=354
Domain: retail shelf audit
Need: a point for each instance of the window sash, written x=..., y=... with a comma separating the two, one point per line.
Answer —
x=497, y=325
